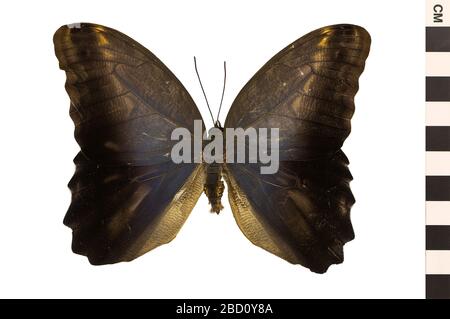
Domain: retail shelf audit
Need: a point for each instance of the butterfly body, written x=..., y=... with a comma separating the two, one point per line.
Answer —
x=129, y=196
x=214, y=186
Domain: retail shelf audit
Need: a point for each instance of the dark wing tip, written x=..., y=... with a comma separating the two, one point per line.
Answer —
x=356, y=30
x=346, y=26
x=63, y=34
x=66, y=29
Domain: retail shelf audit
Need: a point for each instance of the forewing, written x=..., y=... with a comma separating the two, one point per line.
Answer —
x=302, y=212
x=127, y=195
x=306, y=91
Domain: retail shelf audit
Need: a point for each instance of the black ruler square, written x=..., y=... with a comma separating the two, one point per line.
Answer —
x=438, y=138
x=438, y=286
x=438, y=188
x=438, y=39
x=437, y=88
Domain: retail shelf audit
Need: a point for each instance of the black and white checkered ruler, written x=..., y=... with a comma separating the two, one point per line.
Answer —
x=438, y=149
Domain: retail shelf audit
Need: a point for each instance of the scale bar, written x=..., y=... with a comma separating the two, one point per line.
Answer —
x=437, y=87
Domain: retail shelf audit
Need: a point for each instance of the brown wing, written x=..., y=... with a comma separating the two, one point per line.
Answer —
x=127, y=195
x=302, y=212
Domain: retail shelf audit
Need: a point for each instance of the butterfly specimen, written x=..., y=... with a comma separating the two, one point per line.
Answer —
x=129, y=197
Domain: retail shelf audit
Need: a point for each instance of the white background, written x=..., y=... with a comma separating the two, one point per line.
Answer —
x=210, y=257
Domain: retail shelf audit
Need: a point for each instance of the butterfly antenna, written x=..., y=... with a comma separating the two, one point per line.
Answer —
x=203, y=90
x=223, y=90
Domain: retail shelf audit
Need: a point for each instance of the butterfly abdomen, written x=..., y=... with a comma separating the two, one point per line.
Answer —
x=214, y=186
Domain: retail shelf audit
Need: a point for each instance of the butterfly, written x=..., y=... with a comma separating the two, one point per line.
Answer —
x=129, y=197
